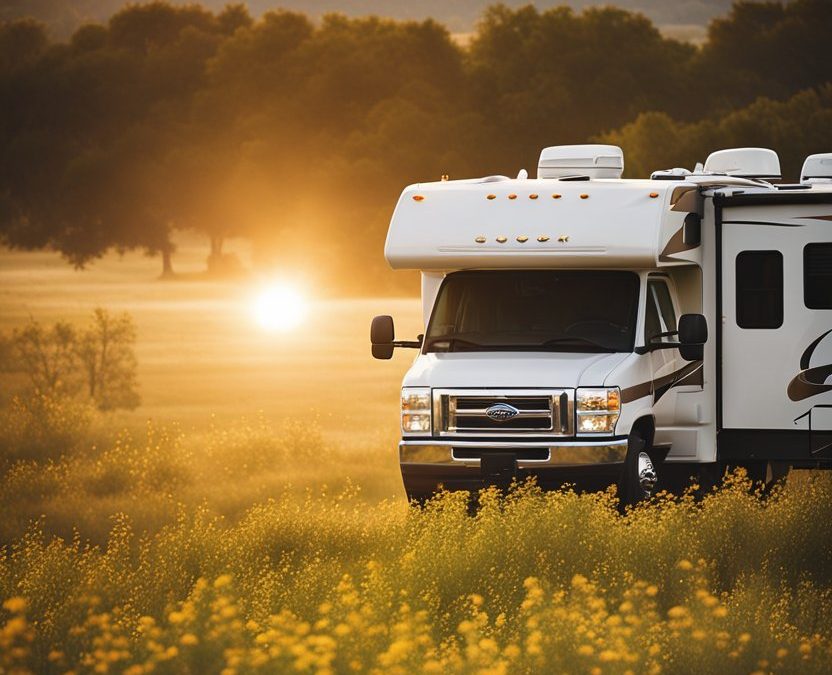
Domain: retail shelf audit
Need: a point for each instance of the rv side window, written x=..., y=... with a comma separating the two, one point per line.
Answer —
x=817, y=276
x=759, y=279
x=660, y=318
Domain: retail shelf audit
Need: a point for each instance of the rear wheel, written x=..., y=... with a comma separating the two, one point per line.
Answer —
x=639, y=477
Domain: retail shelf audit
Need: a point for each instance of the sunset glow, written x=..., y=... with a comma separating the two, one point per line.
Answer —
x=279, y=308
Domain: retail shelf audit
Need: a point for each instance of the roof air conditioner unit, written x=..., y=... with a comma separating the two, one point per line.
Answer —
x=744, y=163
x=593, y=161
x=817, y=168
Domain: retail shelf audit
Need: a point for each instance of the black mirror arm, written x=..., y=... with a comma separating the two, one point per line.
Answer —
x=410, y=344
x=651, y=344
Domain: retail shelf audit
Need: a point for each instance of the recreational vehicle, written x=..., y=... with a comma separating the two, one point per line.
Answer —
x=584, y=328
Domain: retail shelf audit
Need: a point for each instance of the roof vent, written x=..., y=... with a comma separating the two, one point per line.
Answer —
x=817, y=168
x=744, y=163
x=594, y=161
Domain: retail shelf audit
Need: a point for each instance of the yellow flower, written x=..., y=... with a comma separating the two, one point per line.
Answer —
x=685, y=565
x=512, y=651
x=189, y=639
x=782, y=653
x=745, y=638
x=579, y=581
x=488, y=645
x=15, y=605
x=720, y=612
x=651, y=590
x=222, y=581
x=677, y=612
x=586, y=650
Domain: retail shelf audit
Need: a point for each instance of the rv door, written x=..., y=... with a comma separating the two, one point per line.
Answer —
x=776, y=366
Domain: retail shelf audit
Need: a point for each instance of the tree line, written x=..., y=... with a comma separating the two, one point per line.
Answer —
x=299, y=135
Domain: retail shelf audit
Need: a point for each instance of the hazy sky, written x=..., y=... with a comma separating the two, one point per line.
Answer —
x=63, y=16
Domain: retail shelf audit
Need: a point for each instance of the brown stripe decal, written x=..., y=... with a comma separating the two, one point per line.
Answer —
x=815, y=217
x=688, y=374
x=808, y=383
x=677, y=243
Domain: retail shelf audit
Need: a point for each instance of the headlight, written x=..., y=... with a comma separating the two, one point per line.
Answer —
x=598, y=410
x=416, y=410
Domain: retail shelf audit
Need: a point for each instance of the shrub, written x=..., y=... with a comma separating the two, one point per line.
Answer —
x=41, y=426
x=61, y=361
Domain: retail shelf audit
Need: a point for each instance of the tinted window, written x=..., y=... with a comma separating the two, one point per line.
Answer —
x=759, y=289
x=817, y=276
x=535, y=310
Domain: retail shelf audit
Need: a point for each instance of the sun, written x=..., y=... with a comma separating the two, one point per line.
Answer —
x=279, y=308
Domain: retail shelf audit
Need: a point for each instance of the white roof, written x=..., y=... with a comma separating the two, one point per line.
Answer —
x=498, y=222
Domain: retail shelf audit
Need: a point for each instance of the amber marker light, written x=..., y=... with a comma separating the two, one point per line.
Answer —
x=532, y=196
x=501, y=239
x=584, y=196
x=418, y=198
x=543, y=238
x=512, y=196
x=480, y=239
x=491, y=197
x=556, y=196
x=653, y=195
x=522, y=238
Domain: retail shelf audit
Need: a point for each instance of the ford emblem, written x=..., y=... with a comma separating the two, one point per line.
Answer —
x=501, y=412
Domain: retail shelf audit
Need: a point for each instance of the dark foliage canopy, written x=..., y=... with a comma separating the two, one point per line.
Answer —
x=300, y=134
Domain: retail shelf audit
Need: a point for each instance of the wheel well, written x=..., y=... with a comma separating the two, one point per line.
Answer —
x=646, y=426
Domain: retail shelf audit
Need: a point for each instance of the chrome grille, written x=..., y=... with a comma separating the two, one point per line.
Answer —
x=537, y=412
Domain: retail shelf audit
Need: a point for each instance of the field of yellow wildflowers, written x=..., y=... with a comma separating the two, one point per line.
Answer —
x=323, y=580
x=206, y=543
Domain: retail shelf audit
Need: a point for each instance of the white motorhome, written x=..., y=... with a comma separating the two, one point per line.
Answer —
x=584, y=328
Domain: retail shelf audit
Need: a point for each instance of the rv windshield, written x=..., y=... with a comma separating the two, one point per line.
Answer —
x=535, y=310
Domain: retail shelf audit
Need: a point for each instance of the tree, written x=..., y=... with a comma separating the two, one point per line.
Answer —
x=62, y=362
x=106, y=352
x=48, y=357
x=794, y=128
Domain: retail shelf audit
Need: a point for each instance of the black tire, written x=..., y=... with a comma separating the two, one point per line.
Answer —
x=630, y=489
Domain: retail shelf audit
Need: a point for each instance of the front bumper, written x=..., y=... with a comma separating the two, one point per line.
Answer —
x=429, y=465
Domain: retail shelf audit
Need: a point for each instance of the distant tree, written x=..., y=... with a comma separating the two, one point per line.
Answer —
x=762, y=49
x=48, y=357
x=556, y=76
x=61, y=361
x=288, y=131
x=107, y=354
x=794, y=128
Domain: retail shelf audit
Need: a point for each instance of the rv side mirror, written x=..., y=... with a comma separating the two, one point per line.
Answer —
x=382, y=335
x=693, y=334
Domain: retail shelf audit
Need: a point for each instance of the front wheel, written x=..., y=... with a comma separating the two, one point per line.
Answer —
x=639, y=477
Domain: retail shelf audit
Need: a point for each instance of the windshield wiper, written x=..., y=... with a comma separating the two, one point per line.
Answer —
x=576, y=338
x=453, y=340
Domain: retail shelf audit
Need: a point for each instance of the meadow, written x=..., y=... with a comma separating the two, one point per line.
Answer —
x=249, y=518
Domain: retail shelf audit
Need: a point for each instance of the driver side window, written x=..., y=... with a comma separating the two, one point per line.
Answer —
x=660, y=317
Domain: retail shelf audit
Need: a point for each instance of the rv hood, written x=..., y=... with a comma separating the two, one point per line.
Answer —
x=512, y=369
